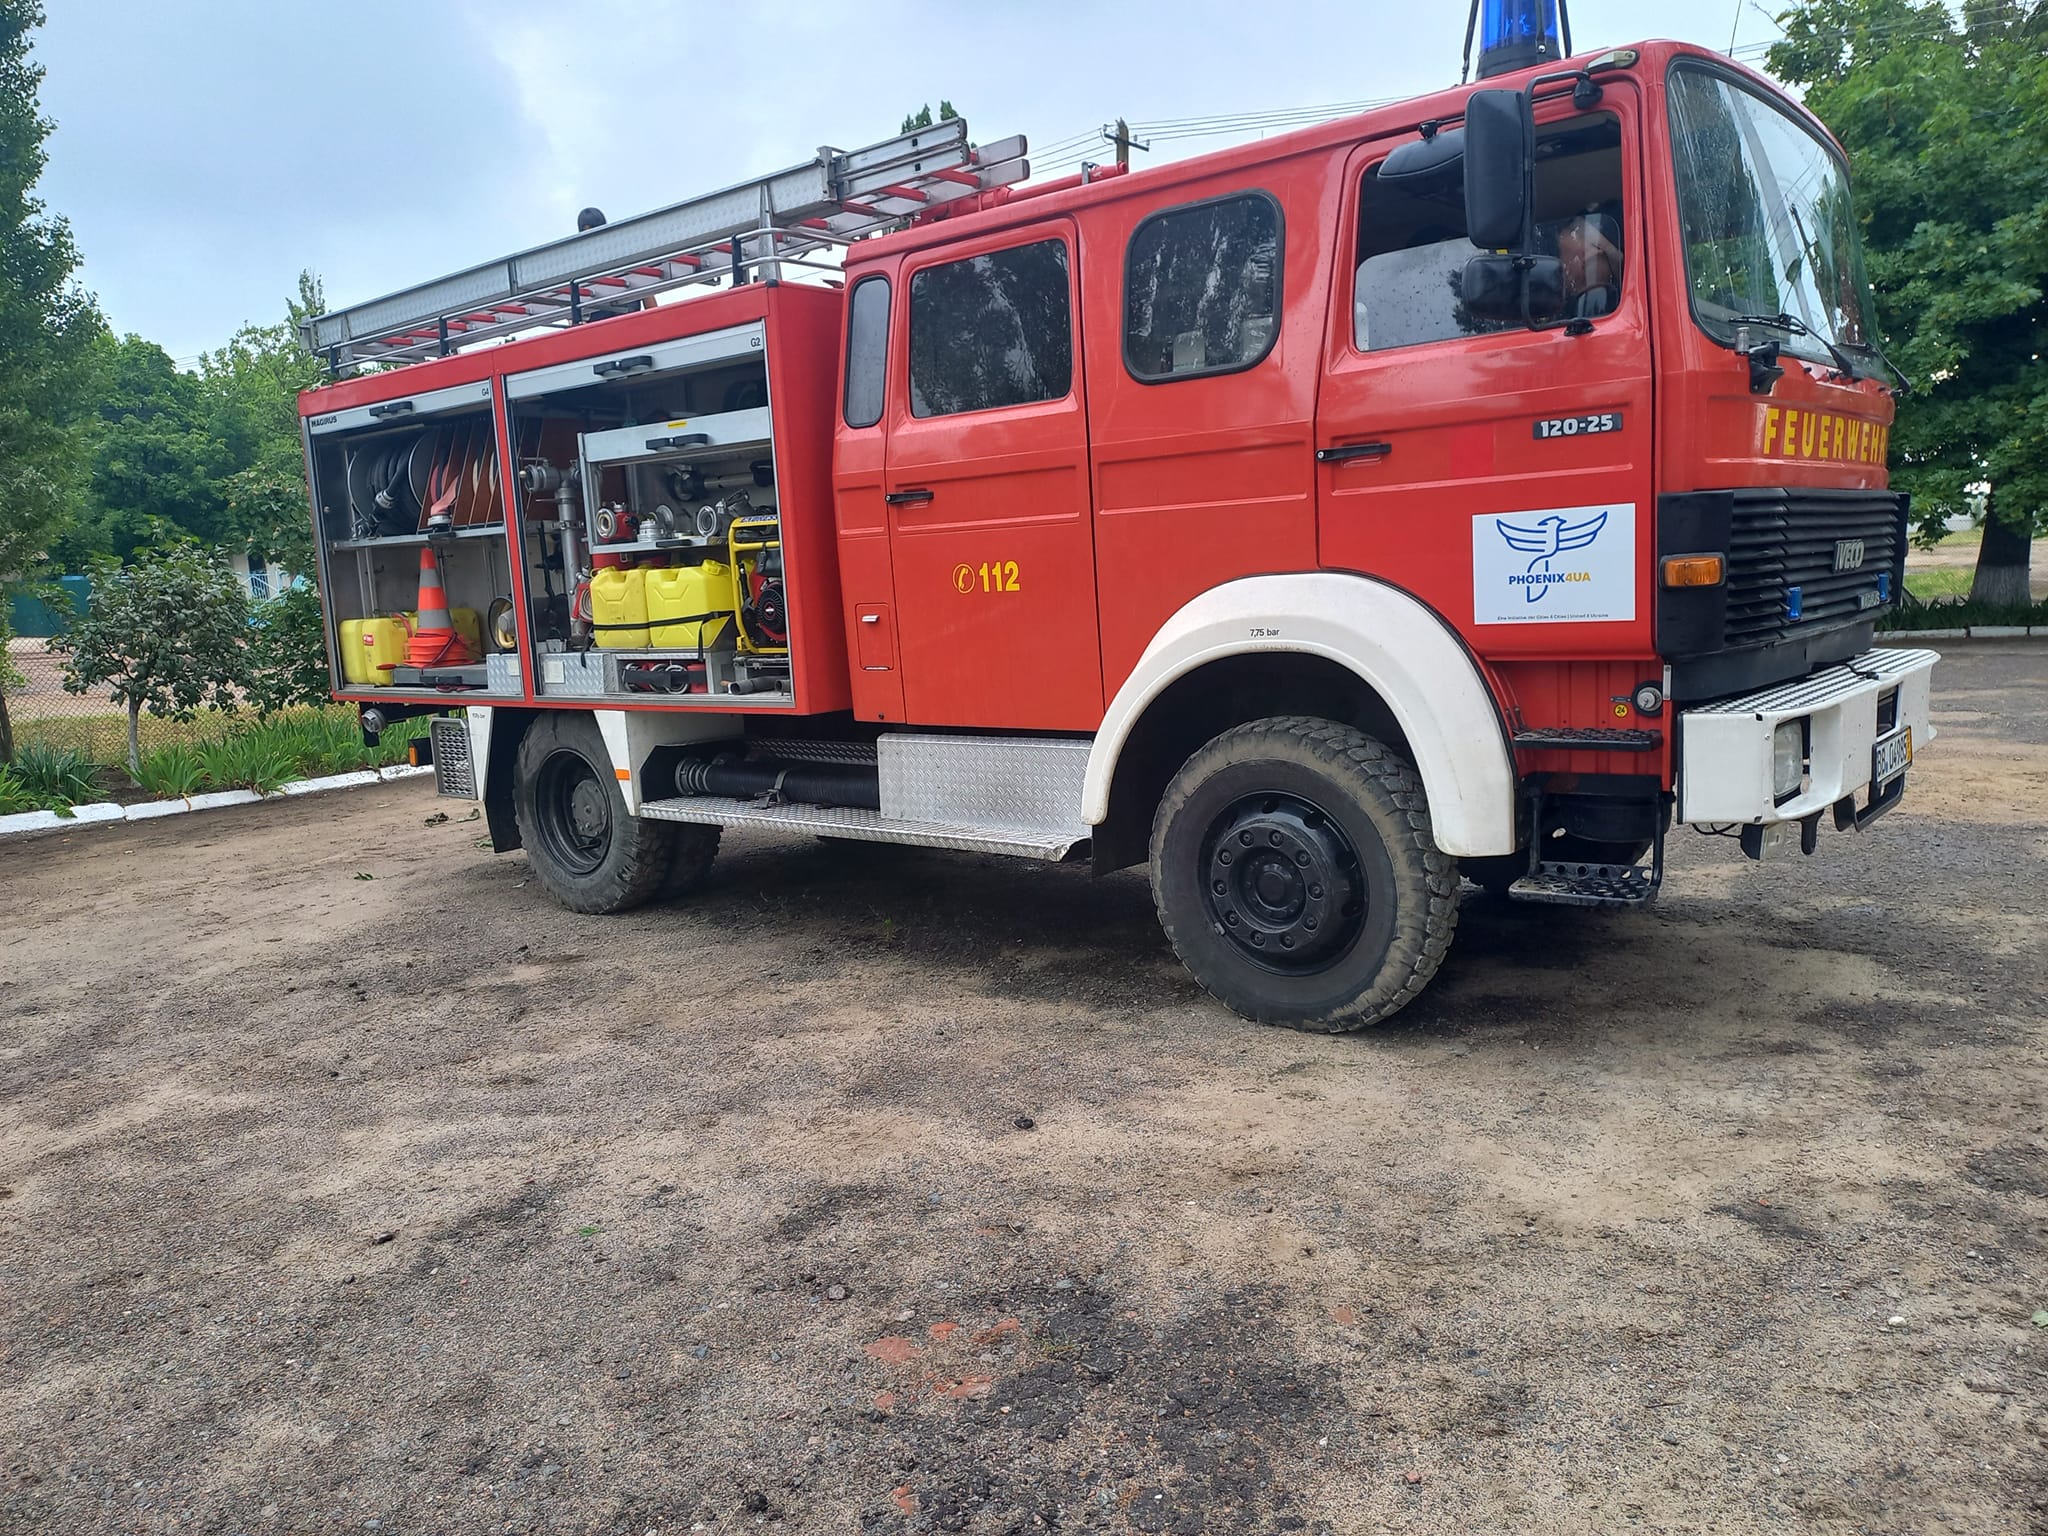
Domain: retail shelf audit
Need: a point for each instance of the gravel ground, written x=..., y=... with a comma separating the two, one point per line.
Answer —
x=346, y=1184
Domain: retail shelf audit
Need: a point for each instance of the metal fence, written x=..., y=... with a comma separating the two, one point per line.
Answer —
x=42, y=710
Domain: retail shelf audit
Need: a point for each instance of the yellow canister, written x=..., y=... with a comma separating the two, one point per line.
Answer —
x=470, y=625
x=687, y=592
x=618, y=606
x=370, y=647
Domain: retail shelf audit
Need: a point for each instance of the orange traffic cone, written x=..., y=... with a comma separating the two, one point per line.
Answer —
x=434, y=642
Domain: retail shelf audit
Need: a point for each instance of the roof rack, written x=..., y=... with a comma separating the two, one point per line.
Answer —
x=752, y=228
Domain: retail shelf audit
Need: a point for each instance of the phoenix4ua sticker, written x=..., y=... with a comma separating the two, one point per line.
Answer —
x=1557, y=565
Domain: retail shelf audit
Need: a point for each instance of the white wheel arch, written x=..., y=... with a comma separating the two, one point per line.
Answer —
x=1396, y=645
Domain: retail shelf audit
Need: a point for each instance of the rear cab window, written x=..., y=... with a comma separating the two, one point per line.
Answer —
x=1202, y=288
x=1412, y=247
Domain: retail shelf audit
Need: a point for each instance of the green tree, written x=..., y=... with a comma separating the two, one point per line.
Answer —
x=1945, y=117
x=154, y=456
x=252, y=387
x=47, y=328
x=922, y=117
x=166, y=633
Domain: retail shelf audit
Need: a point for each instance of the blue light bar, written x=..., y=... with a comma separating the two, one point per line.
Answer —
x=1514, y=34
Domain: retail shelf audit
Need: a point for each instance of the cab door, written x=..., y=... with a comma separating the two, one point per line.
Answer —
x=988, y=496
x=1501, y=474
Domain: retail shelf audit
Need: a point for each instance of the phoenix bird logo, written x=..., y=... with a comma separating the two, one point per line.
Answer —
x=1551, y=537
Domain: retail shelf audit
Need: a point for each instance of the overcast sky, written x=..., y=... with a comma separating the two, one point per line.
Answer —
x=207, y=150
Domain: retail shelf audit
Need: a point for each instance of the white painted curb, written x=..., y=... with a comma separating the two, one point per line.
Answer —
x=103, y=812
x=1972, y=632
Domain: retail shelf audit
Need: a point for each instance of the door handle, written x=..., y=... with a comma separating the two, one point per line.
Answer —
x=1353, y=451
x=907, y=498
x=871, y=618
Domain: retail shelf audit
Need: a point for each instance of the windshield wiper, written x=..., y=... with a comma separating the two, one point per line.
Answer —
x=1871, y=349
x=1792, y=325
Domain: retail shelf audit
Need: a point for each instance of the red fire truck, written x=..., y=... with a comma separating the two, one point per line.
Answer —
x=1473, y=489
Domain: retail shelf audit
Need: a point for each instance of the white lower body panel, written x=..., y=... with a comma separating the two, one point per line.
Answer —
x=864, y=826
x=1724, y=762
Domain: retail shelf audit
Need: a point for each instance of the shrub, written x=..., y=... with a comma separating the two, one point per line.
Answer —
x=54, y=777
x=251, y=760
x=14, y=795
x=172, y=772
x=288, y=651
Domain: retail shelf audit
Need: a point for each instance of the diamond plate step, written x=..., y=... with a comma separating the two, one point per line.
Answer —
x=1587, y=885
x=863, y=826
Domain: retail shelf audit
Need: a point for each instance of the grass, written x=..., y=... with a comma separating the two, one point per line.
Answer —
x=1938, y=586
x=1957, y=612
x=211, y=752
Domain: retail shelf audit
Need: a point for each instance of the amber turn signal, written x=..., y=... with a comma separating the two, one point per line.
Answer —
x=1693, y=571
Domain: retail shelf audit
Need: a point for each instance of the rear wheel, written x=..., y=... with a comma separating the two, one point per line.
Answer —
x=1296, y=876
x=589, y=854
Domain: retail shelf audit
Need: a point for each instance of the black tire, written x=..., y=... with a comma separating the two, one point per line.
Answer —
x=690, y=859
x=589, y=854
x=1341, y=908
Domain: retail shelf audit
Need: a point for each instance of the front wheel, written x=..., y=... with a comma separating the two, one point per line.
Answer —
x=1296, y=875
x=589, y=854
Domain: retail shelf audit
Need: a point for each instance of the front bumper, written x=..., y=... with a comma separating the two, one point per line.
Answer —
x=1724, y=756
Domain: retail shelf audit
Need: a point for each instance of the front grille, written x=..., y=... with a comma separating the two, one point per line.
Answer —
x=1780, y=540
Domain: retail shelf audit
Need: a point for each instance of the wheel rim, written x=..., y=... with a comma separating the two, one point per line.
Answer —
x=1282, y=882
x=575, y=808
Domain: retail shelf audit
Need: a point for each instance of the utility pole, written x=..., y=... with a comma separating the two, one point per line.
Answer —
x=1124, y=143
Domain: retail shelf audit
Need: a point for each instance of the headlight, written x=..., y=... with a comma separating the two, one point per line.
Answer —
x=1788, y=758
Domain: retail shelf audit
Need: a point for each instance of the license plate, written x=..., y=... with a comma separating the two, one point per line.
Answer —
x=1891, y=756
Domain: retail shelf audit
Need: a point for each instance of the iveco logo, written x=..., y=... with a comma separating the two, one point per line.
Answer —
x=1848, y=554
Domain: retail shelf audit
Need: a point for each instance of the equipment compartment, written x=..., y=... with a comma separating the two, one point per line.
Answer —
x=399, y=486
x=649, y=505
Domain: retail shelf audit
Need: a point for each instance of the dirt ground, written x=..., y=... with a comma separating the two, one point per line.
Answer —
x=346, y=1184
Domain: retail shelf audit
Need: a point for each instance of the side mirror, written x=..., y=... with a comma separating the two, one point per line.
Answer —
x=1500, y=159
x=1495, y=288
x=1422, y=162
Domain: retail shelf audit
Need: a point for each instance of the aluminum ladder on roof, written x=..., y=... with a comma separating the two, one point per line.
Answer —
x=838, y=197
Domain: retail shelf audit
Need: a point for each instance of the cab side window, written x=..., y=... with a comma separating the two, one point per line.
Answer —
x=1202, y=288
x=867, y=351
x=1412, y=247
x=991, y=330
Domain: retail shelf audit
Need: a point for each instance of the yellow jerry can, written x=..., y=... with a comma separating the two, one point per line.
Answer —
x=678, y=599
x=371, y=647
x=618, y=606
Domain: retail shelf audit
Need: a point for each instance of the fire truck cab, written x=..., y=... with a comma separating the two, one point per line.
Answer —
x=1470, y=490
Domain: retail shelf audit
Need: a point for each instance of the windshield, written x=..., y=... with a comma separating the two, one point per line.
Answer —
x=1766, y=217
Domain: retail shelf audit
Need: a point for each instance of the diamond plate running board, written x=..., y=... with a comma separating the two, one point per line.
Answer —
x=1588, y=885
x=863, y=826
